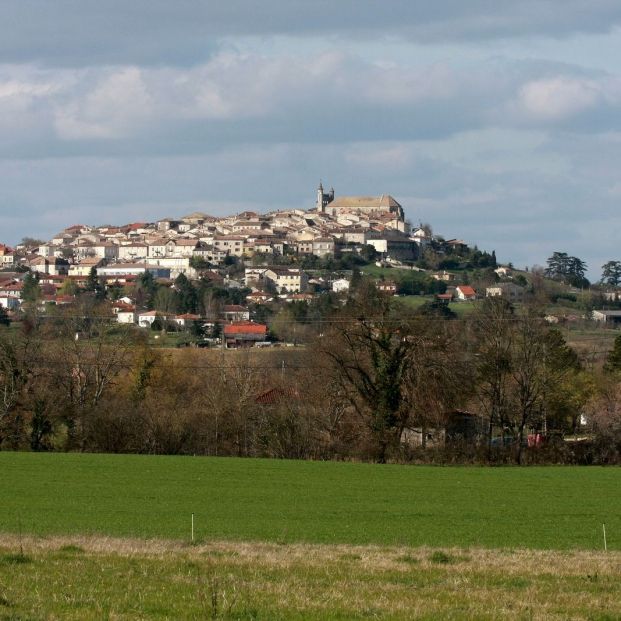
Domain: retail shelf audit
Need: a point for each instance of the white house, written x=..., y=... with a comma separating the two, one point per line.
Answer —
x=125, y=314
x=146, y=318
x=339, y=285
x=289, y=279
x=323, y=246
x=84, y=267
x=231, y=244
x=10, y=302
x=50, y=265
x=235, y=312
x=507, y=290
x=132, y=251
x=465, y=293
x=186, y=319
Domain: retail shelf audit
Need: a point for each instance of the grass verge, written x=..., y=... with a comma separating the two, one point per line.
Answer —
x=93, y=578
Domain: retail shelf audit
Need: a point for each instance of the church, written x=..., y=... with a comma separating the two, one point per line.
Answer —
x=383, y=207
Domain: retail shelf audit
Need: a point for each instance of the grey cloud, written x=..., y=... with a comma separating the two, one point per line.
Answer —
x=81, y=32
x=324, y=98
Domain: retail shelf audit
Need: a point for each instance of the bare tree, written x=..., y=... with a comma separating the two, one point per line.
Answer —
x=390, y=364
x=494, y=335
x=18, y=367
x=91, y=350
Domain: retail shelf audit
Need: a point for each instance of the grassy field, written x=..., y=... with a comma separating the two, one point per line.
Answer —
x=459, y=308
x=315, y=502
x=99, y=578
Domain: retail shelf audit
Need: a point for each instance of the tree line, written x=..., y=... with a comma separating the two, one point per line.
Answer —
x=377, y=381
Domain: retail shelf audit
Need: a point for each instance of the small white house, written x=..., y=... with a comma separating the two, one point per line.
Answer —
x=465, y=293
x=146, y=318
x=507, y=290
x=10, y=302
x=340, y=285
x=124, y=312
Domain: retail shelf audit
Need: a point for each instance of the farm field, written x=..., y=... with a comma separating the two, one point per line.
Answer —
x=86, y=578
x=315, y=502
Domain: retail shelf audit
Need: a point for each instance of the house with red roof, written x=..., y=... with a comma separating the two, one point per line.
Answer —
x=465, y=293
x=244, y=333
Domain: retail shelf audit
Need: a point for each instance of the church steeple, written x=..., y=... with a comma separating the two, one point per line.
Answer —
x=322, y=198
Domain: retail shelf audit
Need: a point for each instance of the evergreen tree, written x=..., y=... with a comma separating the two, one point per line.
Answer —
x=437, y=308
x=187, y=298
x=145, y=290
x=567, y=269
x=31, y=291
x=356, y=280
x=611, y=273
x=613, y=362
x=94, y=285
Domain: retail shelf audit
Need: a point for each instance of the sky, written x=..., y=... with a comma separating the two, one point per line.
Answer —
x=497, y=122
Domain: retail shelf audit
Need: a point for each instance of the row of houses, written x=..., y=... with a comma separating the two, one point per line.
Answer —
x=351, y=221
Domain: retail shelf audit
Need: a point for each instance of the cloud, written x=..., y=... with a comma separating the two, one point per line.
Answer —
x=330, y=96
x=118, y=104
x=104, y=32
x=559, y=98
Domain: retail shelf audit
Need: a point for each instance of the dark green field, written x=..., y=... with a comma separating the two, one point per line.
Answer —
x=318, y=502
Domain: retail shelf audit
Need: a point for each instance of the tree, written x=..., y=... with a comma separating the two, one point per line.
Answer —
x=567, y=269
x=17, y=355
x=165, y=300
x=31, y=290
x=541, y=360
x=31, y=242
x=368, y=355
x=604, y=421
x=68, y=287
x=199, y=263
x=577, y=271
x=41, y=427
x=611, y=273
x=613, y=362
x=494, y=341
x=437, y=308
x=382, y=358
x=94, y=285
x=4, y=317
x=521, y=362
x=89, y=352
x=186, y=295
x=557, y=265
x=145, y=289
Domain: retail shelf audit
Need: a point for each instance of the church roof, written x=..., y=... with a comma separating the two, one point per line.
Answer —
x=385, y=201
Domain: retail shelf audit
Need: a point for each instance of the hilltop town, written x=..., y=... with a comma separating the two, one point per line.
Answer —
x=250, y=259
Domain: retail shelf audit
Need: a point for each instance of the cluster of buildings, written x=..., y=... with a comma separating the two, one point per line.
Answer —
x=335, y=225
x=200, y=243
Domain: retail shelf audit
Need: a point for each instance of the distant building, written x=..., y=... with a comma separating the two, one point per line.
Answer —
x=386, y=286
x=465, y=293
x=323, y=198
x=507, y=290
x=244, y=333
x=339, y=285
x=384, y=207
x=607, y=317
x=287, y=279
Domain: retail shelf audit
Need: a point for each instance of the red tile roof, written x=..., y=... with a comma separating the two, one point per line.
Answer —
x=277, y=395
x=245, y=327
x=466, y=290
